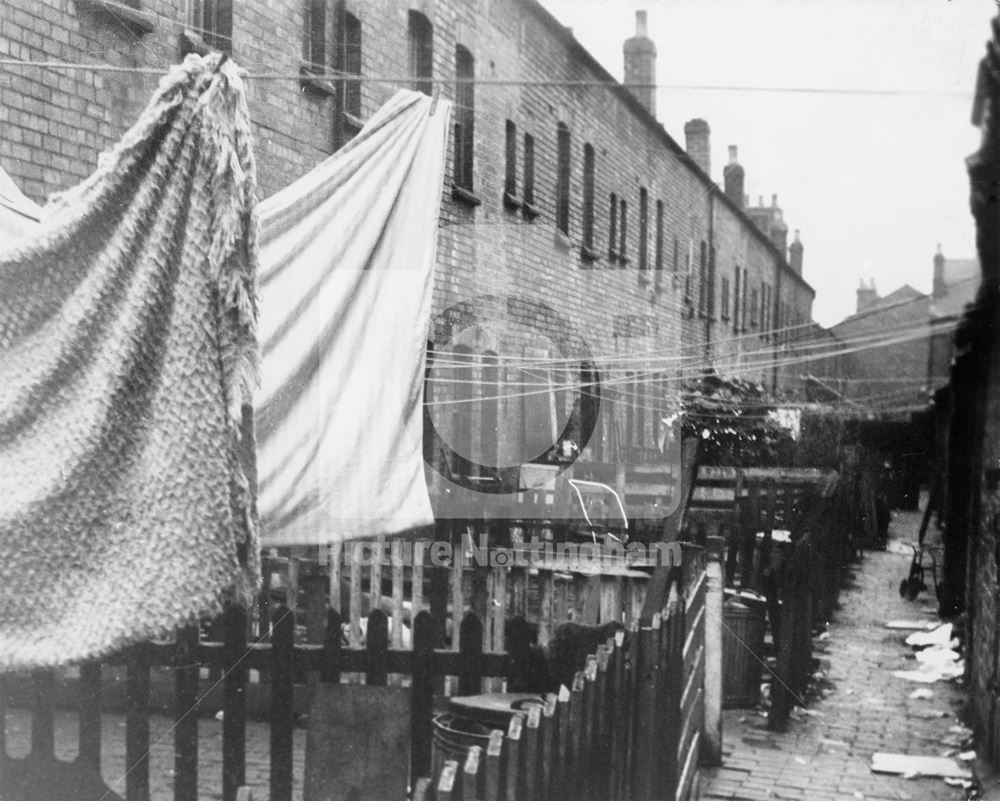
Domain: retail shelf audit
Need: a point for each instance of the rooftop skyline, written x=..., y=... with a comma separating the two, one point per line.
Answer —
x=855, y=113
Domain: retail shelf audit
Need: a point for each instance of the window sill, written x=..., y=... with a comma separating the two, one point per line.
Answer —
x=512, y=202
x=624, y=261
x=612, y=256
x=353, y=123
x=137, y=22
x=588, y=255
x=191, y=42
x=562, y=240
x=642, y=277
x=313, y=84
x=466, y=196
x=529, y=209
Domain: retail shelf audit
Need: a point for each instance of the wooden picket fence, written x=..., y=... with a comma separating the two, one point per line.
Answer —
x=800, y=574
x=629, y=728
x=457, y=629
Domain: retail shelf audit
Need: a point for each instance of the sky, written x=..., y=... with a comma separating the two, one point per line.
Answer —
x=875, y=176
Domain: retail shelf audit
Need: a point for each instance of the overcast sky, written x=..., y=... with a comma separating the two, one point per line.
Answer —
x=874, y=181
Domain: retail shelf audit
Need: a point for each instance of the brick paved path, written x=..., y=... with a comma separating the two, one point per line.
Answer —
x=162, y=753
x=826, y=753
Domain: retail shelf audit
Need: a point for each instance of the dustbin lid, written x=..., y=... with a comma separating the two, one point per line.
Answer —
x=493, y=708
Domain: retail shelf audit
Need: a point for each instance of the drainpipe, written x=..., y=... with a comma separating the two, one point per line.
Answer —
x=775, y=307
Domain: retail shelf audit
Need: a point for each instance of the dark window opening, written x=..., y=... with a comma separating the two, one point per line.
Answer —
x=643, y=230
x=623, y=231
x=562, y=178
x=421, y=52
x=350, y=41
x=613, y=228
x=213, y=21
x=465, y=102
x=588, y=197
x=510, y=176
x=314, y=34
x=724, y=301
x=702, y=279
x=711, y=283
x=736, y=301
x=529, y=169
x=753, y=309
x=659, y=241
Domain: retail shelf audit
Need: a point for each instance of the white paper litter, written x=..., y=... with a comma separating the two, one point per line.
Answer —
x=922, y=694
x=939, y=636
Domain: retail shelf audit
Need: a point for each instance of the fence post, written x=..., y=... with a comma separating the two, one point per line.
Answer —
x=422, y=699
x=185, y=715
x=377, y=647
x=493, y=753
x=137, y=724
x=282, y=708
x=512, y=788
x=470, y=677
x=234, y=717
x=711, y=749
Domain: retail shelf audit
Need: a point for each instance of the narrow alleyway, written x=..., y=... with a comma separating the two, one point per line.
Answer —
x=860, y=709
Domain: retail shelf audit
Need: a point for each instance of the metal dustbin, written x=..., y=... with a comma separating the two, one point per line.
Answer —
x=742, y=649
x=469, y=722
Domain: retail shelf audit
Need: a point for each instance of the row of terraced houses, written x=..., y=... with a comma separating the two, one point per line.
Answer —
x=574, y=227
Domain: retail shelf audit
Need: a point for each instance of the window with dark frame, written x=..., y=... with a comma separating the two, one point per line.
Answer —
x=710, y=291
x=736, y=300
x=588, y=199
x=676, y=256
x=314, y=34
x=622, y=231
x=350, y=41
x=213, y=21
x=753, y=309
x=528, y=195
x=421, y=52
x=702, y=279
x=659, y=242
x=562, y=177
x=643, y=231
x=510, y=164
x=465, y=102
x=613, y=228
x=743, y=307
x=724, y=300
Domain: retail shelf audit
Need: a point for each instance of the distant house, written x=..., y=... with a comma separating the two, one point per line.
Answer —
x=903, y=374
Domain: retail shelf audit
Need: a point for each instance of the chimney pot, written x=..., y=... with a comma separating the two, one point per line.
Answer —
x=640, y=64
x=733, y=179
x=939, y=286
x=698, y=138
x=795, y=254
x=774, y=201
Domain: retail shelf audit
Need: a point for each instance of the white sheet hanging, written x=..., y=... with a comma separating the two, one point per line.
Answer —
x=347, y=264
x=18, y=214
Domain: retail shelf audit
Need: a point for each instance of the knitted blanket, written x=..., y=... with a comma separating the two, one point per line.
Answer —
x=127, y=355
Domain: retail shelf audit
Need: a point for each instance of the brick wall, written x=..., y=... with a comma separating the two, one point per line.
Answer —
x=56, y=122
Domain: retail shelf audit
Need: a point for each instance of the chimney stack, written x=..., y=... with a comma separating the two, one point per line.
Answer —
x=867, y=295
x=697, y=133
x=733, y=178
x=779, y=231
x=795, y=254
x=940, y=287
x=640, y=64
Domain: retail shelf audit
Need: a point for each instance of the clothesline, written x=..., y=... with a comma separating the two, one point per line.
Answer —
x=334, y=75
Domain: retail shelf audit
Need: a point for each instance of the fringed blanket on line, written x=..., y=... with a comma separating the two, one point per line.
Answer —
x=127, y=355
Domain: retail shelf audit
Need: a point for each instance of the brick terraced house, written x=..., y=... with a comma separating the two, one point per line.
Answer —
x=580, y=244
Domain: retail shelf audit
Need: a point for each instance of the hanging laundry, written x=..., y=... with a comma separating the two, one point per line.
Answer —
x=347, y=264
x=127, y=359
x=18, y=214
